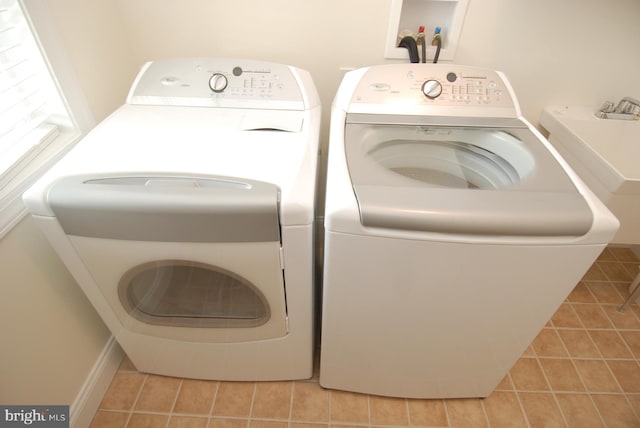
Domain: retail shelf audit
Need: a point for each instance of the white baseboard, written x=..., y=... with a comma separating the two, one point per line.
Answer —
x=88, y=399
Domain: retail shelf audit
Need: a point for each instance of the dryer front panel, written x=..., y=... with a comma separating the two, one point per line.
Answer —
x=180, y=257
x=200, y=292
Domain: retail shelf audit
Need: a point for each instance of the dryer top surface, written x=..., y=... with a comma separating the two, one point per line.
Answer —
x=192, y=141
x=207, y=117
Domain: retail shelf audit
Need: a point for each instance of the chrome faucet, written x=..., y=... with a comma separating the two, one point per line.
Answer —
x=627, y=109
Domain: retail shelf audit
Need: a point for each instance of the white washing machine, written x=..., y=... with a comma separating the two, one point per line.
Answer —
x=453, y=231
x=187, y=217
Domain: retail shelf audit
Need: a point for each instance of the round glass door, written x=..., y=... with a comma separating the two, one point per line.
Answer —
x=184, y=293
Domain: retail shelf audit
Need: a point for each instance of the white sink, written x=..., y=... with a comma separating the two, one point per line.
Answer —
x=605, y=153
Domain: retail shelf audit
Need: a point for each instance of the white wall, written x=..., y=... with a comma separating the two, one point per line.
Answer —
x=579, y=52
x=50, y=336
x=570, y=51
x=319, y=36
x=99, y=50
x=566, y=52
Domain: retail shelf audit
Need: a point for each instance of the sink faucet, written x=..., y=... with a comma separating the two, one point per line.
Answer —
x=628, y=105
x=627, y=109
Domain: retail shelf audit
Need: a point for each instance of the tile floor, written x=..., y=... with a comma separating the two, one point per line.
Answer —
x=583, y=370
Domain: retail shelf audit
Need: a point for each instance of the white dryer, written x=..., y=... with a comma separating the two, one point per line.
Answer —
x=453, y=231
x=187, y=217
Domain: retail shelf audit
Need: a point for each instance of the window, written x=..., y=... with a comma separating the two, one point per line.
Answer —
x=27, y=95
x=36, y=125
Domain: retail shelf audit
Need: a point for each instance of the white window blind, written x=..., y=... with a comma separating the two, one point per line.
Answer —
x=28, y=97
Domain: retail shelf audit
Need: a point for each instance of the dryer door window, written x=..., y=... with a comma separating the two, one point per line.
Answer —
x=183, y=293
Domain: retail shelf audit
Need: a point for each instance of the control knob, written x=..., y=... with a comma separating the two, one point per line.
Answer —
x=432, y=89
x=218, y=82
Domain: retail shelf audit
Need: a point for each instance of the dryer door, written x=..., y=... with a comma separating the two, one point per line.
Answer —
x=180, y=257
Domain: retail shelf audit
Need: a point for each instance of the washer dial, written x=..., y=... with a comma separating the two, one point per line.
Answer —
x=218, y=82
x=432, y=89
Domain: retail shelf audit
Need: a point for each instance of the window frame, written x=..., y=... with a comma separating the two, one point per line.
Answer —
x=40, y=19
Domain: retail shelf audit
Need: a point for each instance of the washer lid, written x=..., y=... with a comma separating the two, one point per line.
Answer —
x=496, y=181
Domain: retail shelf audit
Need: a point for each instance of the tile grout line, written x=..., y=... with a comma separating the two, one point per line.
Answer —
x=446, y=413
x=253, y=400
x=293, y=392
x=135, y=402
x=408, y=410
x=175, y=400
x=625, y=395
x=546, y=379
x=567, y=392
x=624, y=342
x=329, y=418
x=604, y=271
x=486, y=414
x=586, y=390
x=212, y=405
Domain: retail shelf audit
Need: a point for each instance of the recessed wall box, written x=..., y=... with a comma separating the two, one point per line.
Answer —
x=409, y=15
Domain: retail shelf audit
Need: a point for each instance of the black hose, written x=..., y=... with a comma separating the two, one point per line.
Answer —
x=410, y=43
x=438, y=42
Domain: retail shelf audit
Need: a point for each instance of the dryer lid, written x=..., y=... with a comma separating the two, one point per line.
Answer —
x=489, y=181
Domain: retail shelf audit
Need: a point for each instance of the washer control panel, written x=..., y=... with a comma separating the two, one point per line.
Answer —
x=212, y=82
x=433, y=85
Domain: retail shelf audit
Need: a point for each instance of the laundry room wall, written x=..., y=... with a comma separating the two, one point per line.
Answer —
x=98, y=47
x=574, y=51
x=579, y=52
x=50, y=335
x=569, y=52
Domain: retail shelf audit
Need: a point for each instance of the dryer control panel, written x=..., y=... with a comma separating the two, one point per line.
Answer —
x=434, y=89
x=218, y=82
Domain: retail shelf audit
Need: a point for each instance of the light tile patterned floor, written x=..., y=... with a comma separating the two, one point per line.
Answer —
x=583, y=370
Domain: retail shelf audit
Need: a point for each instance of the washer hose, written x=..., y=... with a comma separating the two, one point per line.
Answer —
x=411, y=45
x=437, y=42
x=423, y=44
